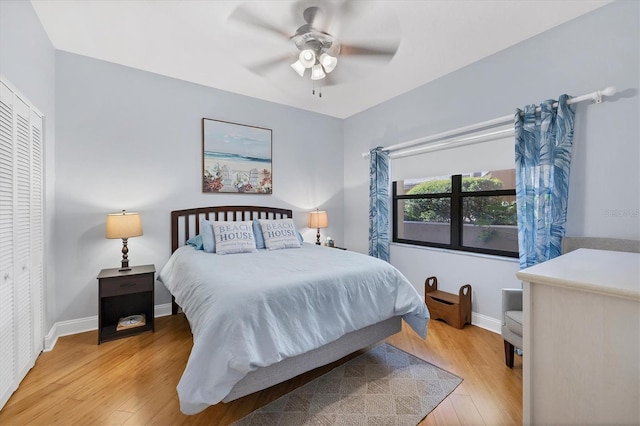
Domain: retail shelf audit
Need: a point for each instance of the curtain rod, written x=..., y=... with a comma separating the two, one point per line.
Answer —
x=594, y=96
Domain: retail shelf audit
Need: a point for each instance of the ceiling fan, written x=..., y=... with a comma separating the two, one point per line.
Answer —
x=315, y=45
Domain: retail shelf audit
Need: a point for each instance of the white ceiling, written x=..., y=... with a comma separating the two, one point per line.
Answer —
x=195, y=40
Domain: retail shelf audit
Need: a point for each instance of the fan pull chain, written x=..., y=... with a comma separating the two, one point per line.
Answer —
x=313, y=90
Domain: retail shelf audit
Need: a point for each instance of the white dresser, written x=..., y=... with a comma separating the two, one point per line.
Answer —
x=581, y=339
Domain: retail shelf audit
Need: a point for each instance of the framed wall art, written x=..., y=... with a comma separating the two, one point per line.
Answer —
x=236, y=158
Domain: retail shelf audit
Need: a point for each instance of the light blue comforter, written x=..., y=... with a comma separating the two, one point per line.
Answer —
x=252, y=310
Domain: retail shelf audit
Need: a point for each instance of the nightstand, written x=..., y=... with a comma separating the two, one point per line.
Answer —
x=125, y=293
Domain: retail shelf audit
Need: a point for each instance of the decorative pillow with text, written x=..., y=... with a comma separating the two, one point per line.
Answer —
x=279, y=234
x=234, y=237
x=257, y=234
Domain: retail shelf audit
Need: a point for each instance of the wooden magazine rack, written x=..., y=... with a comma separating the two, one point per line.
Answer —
x=454, y=309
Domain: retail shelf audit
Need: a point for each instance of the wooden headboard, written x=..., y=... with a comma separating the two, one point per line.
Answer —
x=186, y=223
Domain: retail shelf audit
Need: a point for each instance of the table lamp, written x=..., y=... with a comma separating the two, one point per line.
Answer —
x=318, y=219
x=124, y=225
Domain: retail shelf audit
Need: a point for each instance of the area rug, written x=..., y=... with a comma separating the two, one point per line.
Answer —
x=383, y=386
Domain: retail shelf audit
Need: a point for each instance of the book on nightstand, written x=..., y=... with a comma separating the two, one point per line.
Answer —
x=132, y=321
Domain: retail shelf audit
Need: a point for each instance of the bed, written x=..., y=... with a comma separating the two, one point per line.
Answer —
x=261, y=318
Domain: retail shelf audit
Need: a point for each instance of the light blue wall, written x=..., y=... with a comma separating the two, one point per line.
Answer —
x=130, y=139
x=594, y=51
x=27, y=61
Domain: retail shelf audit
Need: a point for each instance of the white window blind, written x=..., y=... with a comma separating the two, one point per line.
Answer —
x=21, y=238
x=492, y=153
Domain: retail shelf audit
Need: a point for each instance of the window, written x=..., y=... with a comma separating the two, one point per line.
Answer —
x=473, y=212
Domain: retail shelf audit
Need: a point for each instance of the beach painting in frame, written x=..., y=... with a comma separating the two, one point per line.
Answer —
x=235, y=158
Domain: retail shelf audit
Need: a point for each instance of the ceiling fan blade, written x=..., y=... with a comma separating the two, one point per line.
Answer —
x=351, y=50
x=244, y=15
x=351, y=9
x=263, y=67
x=343, y=13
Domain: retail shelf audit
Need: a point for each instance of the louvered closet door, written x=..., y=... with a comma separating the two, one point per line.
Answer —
x=36, y=273
x=21, y=243
x=8, y=373
x=22, y=236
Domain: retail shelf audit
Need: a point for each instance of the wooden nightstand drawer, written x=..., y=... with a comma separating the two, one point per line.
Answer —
x=126, y=285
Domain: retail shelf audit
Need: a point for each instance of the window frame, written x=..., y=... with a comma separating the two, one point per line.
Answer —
x=456, y=197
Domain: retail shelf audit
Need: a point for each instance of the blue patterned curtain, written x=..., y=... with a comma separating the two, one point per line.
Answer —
x=379, y=204
x=543, y=160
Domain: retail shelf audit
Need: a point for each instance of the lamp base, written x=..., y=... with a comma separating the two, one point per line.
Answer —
x=125, y=256
x=318, y=237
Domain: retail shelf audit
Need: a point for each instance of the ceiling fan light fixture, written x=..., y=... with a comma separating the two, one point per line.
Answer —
x=307, y=58
x=317, y=73
x=328, y=62
x=299, y=68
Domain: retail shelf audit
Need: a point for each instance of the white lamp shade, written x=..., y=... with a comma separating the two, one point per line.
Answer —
x=317, y=73
x=123, y=225
x=328, y=62
x=318, y=219
x=299, y=68
x=307, y=58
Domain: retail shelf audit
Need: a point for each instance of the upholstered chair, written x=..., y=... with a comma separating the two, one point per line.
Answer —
x=512, y=298
x=511, y=322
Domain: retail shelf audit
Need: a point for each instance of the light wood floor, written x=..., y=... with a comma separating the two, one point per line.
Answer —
x=132, y=381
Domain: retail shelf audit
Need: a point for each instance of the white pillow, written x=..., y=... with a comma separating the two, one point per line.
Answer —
x=279, y=234
x=234, y=237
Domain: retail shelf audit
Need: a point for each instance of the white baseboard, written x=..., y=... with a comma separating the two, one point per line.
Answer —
x=486, y=322
x=65, y=328
x=163, y=310
x=82, y=325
